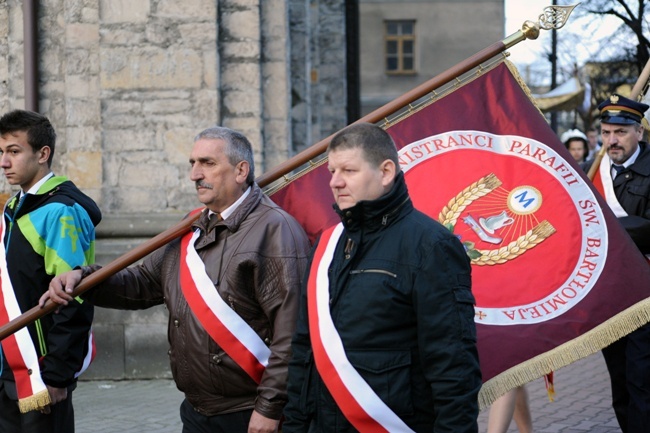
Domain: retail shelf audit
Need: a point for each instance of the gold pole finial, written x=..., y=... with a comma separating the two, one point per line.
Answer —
x=554, y=17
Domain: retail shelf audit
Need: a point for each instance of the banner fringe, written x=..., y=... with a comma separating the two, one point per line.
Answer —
x=35, y=402
x=587, y=344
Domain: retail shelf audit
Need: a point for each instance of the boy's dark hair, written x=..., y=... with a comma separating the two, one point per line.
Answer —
x=40, y=132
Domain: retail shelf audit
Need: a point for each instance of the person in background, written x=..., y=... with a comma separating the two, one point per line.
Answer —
x=593, y=142
x=231, y=288
x=576, y=142
x=386, y=318
x=625, y=174
x=512, y=405
x=47, y=228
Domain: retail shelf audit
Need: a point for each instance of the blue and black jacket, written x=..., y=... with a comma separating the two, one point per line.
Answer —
x=46, y=234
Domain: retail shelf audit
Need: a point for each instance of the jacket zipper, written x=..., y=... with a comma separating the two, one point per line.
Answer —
x=373, y=271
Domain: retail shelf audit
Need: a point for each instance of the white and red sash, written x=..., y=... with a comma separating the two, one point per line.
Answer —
x=605, y=185
x=356, y=399
x=221, y=322
x=19, y=349
x=605, y=170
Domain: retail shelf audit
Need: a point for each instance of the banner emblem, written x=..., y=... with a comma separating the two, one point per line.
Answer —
x=516, y=207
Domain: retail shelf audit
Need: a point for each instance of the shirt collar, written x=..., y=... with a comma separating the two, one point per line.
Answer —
x=233, y=207
x=34, y=189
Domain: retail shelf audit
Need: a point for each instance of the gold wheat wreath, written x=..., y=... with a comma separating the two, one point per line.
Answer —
x=450, y=213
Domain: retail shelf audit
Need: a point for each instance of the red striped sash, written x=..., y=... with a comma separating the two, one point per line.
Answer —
x=220, y=321
x=18, y=347
x=356, y=399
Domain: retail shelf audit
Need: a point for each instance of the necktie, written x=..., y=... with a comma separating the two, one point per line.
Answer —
x=617, y=169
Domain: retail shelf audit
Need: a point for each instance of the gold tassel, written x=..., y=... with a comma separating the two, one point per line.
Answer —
x=35, y=402
x=588, y=343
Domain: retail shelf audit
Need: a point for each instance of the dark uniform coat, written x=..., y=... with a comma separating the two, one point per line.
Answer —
x=401, y=301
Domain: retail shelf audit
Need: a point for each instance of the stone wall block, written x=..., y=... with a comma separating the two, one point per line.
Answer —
x=82, y=35
x=80, y=112
x=79, y=62
x=188, y=9
x=242, y=76
x=90, y=15
x=276, y=93
x=178, y=143
x=206, y=109
x=276, y=145
x=127, y=140
x=166, y=106
x=196, y=35
x=240, y=50
x=132, y=197
x=210, y=68
x=132, y=36
x=124, y=11
x=111, y=107
x=82, y=138
x=82, y=86
x=151, y=174
x=183, y=199
x=145, y=354
x=242, y=24
x=72, y=10
x=51, y=64
x=4, y=24
x=242, y=103
x=109, y=360
x=84, y=168
x=112, y=168
x=151, y=68
x=16, y=24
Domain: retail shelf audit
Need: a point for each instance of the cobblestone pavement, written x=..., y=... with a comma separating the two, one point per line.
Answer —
x=582, y=404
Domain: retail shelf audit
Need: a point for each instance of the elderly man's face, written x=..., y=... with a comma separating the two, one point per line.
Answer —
x=621, y=141
x=218, y=183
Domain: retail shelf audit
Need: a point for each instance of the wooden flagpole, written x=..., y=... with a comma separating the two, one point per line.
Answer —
x=554, y=17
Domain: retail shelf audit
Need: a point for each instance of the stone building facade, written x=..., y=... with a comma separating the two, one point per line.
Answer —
x=128, y=83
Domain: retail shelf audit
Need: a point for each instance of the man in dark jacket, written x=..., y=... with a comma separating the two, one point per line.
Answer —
x=385, y=339
x=625, y=174
x=231, y=288
x=48, y=228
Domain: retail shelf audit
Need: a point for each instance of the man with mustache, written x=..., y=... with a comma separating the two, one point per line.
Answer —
x=625, y=174
x=231, y=287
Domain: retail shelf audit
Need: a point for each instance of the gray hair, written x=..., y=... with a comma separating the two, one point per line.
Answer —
x=238, y=148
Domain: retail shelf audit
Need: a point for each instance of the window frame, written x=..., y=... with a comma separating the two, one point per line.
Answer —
x=400, y=39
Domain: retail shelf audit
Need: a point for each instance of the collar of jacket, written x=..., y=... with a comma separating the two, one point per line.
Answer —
x=53, y=187
x=642, y=163
x=371, y=215
x=233, y=222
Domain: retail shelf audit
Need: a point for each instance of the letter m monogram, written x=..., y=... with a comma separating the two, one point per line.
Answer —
x=523, y=200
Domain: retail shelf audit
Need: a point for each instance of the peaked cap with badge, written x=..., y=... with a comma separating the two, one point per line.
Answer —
x=619, y=110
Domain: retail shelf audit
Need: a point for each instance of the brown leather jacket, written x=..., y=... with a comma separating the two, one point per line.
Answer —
x=256, y=258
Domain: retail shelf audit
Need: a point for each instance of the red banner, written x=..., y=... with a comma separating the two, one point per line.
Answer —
x=555, y=276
